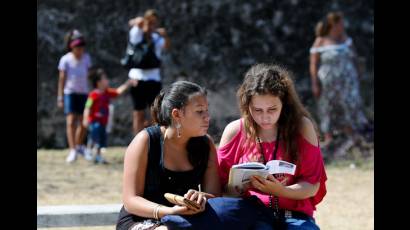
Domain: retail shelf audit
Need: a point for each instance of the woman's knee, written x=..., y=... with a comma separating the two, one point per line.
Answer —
x=70, y=120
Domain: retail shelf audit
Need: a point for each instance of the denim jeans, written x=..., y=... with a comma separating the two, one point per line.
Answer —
x=234, y=213
x=97, y=134
x=299, y=224
x=265, y=221
x=220, y=213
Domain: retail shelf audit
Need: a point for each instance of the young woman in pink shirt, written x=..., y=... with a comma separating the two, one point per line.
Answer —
x=275, y=126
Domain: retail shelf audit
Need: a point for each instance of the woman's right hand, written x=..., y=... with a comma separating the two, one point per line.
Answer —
x=137, y=21
x=192, y=195
x=60, y=104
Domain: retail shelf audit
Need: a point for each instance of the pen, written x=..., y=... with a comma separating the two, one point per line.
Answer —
x=199, y=187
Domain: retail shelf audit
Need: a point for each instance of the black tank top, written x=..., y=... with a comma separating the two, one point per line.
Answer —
x=159, y=180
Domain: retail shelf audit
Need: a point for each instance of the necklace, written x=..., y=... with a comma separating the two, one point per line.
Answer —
x=275, y=198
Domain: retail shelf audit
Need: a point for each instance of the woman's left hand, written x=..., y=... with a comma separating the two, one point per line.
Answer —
x=196, y=196
x=270, y=185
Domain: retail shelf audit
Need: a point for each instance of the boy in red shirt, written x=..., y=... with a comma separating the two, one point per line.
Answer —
x=96, y=110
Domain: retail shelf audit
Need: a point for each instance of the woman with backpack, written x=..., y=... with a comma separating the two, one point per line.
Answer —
x=145, y=37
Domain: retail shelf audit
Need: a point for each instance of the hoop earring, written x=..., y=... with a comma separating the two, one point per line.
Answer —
x=178, y=126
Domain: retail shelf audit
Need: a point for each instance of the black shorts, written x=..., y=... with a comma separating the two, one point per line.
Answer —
x=144, y=94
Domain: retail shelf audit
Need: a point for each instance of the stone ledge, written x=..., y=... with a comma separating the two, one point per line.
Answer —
x=77, y=215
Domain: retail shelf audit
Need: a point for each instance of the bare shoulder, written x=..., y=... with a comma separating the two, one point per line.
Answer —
x=308, y=131
x=318, y=42
x=139, y=144
x=230, y=131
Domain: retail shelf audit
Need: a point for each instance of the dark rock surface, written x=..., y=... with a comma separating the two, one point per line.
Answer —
x=213, y=43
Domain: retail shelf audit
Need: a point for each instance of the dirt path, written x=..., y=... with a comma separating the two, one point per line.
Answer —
x=349, y=203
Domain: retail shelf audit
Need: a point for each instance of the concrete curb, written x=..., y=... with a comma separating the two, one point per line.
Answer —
x=77, y=215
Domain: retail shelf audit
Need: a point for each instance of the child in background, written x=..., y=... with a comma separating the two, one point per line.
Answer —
x=73, y=90
x=96, y=111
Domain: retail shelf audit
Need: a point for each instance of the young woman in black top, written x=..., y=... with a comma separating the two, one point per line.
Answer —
x=174, y=156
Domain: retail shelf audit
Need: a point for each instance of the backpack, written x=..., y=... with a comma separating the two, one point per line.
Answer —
x=141, y=55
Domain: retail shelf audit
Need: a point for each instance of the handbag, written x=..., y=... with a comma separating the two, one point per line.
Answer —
x=140, y=55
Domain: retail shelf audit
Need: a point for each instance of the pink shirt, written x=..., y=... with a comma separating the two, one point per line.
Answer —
x=310, y=168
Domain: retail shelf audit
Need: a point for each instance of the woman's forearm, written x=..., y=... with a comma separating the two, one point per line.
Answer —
x=142, y=207
x=313, y=73
x=299, y=191
x=120, y=90
x=167, y=43
x=313, y=67
x=61, y=82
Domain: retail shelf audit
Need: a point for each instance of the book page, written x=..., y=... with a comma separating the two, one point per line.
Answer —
x=279, y=166
x=239, y=177
x=250, y=165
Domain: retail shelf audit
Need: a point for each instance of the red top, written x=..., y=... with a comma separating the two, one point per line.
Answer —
x=98, y=103
x=310, y=168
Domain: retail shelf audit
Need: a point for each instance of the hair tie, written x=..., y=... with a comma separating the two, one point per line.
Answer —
x=77, y=42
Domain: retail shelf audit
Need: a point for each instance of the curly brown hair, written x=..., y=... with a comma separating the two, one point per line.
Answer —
x=263, y=79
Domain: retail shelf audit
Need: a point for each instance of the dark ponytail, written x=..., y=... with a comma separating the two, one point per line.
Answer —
x=177, y=96
x=156, y=108
x=67, y=40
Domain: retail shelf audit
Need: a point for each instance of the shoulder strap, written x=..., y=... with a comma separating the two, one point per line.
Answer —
x=154, y=148
x=154, y=157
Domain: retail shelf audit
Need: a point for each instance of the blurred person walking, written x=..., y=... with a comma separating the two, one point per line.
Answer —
x=335, y=84
x=73, y=90
x=97, y=112
x=146, y=43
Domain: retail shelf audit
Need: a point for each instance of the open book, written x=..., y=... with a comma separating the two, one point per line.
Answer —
x=240, y=174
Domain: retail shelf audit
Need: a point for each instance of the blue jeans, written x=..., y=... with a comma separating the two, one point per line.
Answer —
x=265, y=218
x=234, y=213
x=74, y=103
x=97, y=134
x=220, y=213
x=299, y=224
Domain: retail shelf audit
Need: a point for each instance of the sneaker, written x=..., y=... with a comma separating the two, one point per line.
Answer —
x=88, y=154
x=72, y=155
x=81, y=150
x=103, y=150
x=99, y=160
